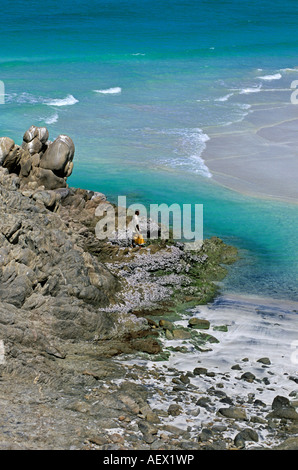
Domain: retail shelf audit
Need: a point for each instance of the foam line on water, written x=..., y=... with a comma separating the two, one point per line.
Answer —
x=68, y=101
x=110, y=91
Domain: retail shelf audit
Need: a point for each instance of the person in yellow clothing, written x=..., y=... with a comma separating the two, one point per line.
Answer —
x=137, y=236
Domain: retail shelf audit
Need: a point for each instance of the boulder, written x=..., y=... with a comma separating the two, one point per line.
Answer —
x=174, y=410
x=281, y=402
x=33, y=147
x=264, y=360
x=38, y=162
x=200, y=371
x=199, y=323
x=59, y=155
x=283, y=409
x=46, y=178
x=246, y=434
x=41, y=133
x=234, y=412
x=6, y=145
x=34, y=139
x=166, y=325
x=248, y=377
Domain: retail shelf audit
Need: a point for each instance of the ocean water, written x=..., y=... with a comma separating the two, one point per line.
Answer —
x=139, y=86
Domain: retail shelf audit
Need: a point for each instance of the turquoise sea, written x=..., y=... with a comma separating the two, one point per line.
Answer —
x=138, y=84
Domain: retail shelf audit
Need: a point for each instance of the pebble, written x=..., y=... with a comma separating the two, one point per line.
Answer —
x=174, y=410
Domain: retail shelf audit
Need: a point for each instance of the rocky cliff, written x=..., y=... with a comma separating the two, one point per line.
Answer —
x=69, y=301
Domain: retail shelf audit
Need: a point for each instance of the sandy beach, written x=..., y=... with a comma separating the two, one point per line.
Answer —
x=258, y=156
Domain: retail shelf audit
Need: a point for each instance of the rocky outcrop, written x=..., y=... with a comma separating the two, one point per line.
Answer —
x=69, y=302
x=38, y=162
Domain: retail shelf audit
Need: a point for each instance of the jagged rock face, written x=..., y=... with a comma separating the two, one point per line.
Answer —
x=43, y=268
x=38, y=162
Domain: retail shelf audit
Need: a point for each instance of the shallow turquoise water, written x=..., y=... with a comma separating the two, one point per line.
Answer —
x=137, y=85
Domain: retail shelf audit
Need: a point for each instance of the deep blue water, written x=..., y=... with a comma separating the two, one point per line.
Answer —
x=137, y=84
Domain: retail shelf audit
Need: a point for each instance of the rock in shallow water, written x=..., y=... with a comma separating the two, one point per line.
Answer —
x=199, y=323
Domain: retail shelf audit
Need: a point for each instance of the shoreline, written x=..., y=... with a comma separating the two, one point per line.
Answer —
x=227, y=389
x=256, y=157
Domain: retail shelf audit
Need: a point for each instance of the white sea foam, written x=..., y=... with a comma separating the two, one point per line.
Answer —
x=52, y=119
x=28, y=98
x=110, y=91
x=69, y=100
x=244, y=105
x=200, y=166
x=255, y=89
x=276, y=76
x=289, y=69
x=189, y=146
x=22, y=98
x=224, y=98
x=138, y=53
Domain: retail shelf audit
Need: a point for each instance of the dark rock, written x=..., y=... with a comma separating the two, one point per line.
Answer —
x=239, y=441
x=233, y=412
x=259, y=403
x=264, y=360
x=174, y=410
x=236, y=367
x=180, y=334
x=204, y=402
x=166, y=325
x=248, y=377
x=199, y=323
x=218, y=393
x=281, y=402
x=200, y=371
x=295, y=379
x=257, y=419
x=217, y=445
x=210, y=374
x=205, y=435
x=226, y=400
x=184, y=379
x=248, y=434
x=149, y=438
x=284, y=413
x=219, y=428
x=289, y=444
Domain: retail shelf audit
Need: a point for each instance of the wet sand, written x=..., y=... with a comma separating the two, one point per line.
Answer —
x=258, y=156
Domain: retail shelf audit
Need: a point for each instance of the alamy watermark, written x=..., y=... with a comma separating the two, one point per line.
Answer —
x=294, y=95
x=160, y=221
x=2, y=92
